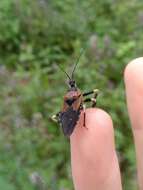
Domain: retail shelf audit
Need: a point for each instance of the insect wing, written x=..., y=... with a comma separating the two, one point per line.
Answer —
x=68, y=120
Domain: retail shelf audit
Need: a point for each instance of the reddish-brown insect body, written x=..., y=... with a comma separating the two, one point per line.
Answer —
x=75, y=98
x=72, y=105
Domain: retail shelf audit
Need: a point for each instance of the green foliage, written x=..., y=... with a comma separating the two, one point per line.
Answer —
x=5, y=185
x=37, y=35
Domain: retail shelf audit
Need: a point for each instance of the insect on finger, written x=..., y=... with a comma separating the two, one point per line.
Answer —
x=73, y=104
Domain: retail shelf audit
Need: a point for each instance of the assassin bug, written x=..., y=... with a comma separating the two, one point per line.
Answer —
x=73, y=104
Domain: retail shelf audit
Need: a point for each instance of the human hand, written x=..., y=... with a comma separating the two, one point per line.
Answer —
x=93, y=156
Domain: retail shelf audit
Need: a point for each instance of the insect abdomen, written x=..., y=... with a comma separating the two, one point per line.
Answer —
x=68, y=120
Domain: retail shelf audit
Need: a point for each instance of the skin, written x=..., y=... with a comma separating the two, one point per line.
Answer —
x=93, y=157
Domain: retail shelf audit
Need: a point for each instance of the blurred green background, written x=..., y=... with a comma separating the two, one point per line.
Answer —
x=37, y=35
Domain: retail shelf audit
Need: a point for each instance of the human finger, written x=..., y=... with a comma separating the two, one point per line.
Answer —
x=133, y=77
x=93, y=157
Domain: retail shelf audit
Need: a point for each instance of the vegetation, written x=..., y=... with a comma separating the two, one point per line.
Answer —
x=37, y=35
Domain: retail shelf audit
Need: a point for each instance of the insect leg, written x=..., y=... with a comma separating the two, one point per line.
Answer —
x=84, y=116
x=87, y=100
x=95, y=91
x=93, y=100
x=55, y=117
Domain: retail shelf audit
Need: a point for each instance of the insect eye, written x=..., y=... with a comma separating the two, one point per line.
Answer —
x=70, y=101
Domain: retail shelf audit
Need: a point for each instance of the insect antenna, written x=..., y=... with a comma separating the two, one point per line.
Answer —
x=64, y=72
x=77, y=61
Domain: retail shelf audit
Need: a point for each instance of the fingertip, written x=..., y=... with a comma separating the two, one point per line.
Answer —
x=133, y=77
x=97, y=138
x=98, y=116
x=133, y=70
x=97, y=122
